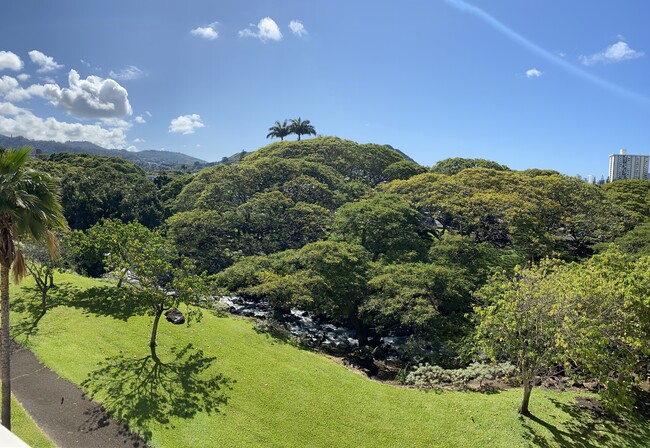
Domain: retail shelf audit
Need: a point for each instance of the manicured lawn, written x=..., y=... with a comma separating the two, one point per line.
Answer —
x=24, y=427
x=265, y=393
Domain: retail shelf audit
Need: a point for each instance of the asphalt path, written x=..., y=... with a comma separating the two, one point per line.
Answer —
x=62, y=410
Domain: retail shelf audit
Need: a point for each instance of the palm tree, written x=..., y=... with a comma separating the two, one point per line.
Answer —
x=29, y=209
x=279, y=130
x=300, y=127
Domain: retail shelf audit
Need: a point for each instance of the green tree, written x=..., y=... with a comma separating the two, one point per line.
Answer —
x=41, y=263
x=29, y=209
x=279, y=130
x=455, y=165
x=519, y=321
x=386, y=225
x=590, y=320
x=416, y=298
x=300, y=127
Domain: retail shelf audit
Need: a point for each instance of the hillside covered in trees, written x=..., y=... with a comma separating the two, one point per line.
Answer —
x=440, y=265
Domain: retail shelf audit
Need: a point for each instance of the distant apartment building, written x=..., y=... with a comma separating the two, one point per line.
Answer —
x=627, y=166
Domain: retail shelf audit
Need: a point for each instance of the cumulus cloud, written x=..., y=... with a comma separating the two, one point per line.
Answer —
x=140, y=119
x=7, y=85
x=10, y=61
x=139, y=140
x=297, y=28
x=620, y=51
x=23, y=77
x=267, y=29
x=45, y=63
x=206, y=32
x=132, y=149
x=533, y=73
x=18, y=121
x=185, y=124
x=93, y=97
x=127, y=74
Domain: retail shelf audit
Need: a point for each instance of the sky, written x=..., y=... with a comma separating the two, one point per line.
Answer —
x=550, y=84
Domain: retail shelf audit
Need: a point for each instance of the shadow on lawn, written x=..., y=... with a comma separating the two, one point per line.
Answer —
x=109, y=300
x=588, y=426
x=145, y=391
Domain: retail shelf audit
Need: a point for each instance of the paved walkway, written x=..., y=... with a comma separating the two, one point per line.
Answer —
x=62, y=410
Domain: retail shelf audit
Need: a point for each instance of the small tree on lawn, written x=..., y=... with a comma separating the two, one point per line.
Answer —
x=518, y=321
x=41, y=263
x=155, y=272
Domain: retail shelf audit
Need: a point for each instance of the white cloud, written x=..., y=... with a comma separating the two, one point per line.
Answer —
x=9, y=109
x=23, y=77
x=93, y=97
x=7, y=85
x=139, y=140
x=297, y=28
x=185, y=124
x=23, y=122
x=267, y=29
x=127, y=74
x=620, y=51
x=533, y=73
x=207, y=32
x=10, y=61
x=45, y=63
x=132, y=149
x=140, y=119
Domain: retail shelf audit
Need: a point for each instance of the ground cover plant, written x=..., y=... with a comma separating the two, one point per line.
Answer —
x=264, y=392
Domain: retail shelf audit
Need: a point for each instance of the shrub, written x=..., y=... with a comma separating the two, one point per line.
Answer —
x=427, y=376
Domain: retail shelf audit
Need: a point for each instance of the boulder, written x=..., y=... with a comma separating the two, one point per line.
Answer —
x=175, y=317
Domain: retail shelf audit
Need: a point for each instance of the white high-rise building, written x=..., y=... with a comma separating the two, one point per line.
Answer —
x=627, y=166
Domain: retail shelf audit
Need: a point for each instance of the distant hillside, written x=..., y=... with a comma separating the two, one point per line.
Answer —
x=149, y=160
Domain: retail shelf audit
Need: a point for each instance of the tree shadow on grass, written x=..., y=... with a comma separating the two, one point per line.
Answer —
x=588, y=426
x=109, y=300
x=146, y=391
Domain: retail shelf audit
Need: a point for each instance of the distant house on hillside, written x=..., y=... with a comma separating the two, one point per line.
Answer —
x=627, y=166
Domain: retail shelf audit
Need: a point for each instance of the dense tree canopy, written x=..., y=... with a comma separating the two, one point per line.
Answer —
x=95, y=187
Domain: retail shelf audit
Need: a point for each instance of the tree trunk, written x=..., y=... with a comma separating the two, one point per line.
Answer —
x=5, y=345
x=154, y=331
x=361, y=329
x=528, y=388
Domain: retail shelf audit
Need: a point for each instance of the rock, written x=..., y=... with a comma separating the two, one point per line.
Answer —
x=175, y=317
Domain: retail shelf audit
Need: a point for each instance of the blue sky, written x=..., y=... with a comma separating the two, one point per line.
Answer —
x=552, y=84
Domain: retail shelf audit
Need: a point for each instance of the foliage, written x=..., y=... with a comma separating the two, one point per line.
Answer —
x=631, y=194
x=636, y=242
x=415, y=298
x=455, y=165
x=386, y=225
x=301, y=127
x=95, y=187
x=427, y=376
x=279, y=130
x=588, y=319
x=29, y=210
x=537, y=216
x=41, y=264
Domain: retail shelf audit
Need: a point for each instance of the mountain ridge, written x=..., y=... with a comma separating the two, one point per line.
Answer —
x=150, y=159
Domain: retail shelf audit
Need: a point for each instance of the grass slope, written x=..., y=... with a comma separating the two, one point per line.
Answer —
x=24, y=427
x=264, y=393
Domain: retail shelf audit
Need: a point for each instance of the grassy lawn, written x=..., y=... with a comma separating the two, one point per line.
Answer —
x=220, y=383
x=24, y=427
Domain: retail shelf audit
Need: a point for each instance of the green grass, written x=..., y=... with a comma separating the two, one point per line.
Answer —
x=24, y=427
x=265, y=393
